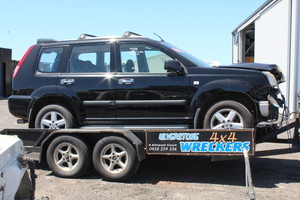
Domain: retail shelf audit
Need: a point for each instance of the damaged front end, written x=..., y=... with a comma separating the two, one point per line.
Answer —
x=274, y=102
x=269, y=96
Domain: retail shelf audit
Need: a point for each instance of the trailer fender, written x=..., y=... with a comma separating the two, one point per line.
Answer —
x=135, y=141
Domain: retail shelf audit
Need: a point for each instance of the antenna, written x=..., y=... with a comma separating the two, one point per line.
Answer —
x=159, y=37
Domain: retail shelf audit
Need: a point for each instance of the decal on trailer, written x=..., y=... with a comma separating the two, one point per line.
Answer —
x=200, y=142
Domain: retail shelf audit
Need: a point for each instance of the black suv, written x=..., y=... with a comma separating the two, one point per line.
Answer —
x=133, y=81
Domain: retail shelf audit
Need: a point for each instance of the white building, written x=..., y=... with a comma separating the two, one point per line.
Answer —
x=272, y=35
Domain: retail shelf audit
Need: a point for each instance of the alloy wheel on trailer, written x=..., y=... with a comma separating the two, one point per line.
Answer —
x=54, y=116
x=115, y=159
x=53, y=120
x=68, y=156
x=227, y=119
x=228, y=114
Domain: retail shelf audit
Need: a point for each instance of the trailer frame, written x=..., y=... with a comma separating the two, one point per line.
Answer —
x=37, y=141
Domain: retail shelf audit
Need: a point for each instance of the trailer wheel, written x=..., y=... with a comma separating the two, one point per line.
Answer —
x=68, y=156
x=115, y=159
x=228, y=115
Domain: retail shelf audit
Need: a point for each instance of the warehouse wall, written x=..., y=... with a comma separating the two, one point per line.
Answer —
x=277, y=41
x=272, y=38
x=6, y=70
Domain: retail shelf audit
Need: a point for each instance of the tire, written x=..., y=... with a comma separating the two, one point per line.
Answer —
x=68, y=156
x=115, y=159
x=228, y=115
x=54, y=117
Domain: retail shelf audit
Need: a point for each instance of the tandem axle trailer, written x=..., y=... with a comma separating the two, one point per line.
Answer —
x=117, y=153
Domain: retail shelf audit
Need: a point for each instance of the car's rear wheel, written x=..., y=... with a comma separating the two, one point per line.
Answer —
x=54, y=117
x=228, y=115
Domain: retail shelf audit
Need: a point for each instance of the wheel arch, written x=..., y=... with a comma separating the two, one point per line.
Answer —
x=207, y=103
x=64, y=101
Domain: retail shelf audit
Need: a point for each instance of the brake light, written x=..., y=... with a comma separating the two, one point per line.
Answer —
x=19, y=65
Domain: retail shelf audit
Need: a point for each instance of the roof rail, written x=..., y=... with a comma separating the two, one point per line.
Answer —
x=129, y=34
x=84, y=36
x=45, y=40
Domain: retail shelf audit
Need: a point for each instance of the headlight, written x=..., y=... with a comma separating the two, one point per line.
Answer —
x=272, y=80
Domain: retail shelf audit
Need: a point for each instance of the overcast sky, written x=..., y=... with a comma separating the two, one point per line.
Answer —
x=200, y=27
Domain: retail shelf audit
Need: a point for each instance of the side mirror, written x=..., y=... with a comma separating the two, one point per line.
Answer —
x=174, y=67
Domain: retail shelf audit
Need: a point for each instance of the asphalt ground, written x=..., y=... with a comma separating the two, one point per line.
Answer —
x=172, y=177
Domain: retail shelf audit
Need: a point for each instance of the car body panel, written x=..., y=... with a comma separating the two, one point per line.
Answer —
x=142, y=98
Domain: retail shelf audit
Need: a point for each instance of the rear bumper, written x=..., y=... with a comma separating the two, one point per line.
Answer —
x=19, y=105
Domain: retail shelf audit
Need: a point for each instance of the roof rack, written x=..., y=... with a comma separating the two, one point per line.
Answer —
x=45, y=40
x=129, y=34
x=84, y=36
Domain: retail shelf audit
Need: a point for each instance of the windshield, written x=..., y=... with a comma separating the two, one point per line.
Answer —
x=188, y=56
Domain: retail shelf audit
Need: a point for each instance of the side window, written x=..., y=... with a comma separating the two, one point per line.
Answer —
x=49, y=60
x=90, y=58
x=142, y=58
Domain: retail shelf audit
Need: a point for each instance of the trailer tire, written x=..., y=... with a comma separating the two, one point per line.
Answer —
x=68, y=156
x=228, y=115
x=115, y=159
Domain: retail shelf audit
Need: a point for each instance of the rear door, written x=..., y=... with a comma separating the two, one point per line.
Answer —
x=145, y=92
x=87, y=80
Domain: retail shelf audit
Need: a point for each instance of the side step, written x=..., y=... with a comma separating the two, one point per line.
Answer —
x=137, y=127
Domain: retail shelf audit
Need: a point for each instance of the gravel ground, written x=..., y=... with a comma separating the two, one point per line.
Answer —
x=274, y=177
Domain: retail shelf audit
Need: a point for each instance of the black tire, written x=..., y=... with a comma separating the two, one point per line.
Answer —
x=54, y=117
x=68, y=156
x=227, y=115
x=115, y=159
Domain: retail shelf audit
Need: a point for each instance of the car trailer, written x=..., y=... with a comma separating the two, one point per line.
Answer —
x=117, y=153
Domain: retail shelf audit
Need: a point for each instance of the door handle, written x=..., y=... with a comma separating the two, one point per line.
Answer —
x=67, y=81
x=126, y=81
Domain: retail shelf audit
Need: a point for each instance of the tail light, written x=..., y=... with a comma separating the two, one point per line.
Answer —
x=19, y=65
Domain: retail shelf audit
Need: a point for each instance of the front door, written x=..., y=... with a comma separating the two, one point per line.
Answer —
x=145, y=92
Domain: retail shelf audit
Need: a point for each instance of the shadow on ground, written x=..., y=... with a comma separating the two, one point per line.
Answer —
x=266, y=172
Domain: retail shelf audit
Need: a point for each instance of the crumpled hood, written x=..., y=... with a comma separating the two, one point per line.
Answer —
x=272, y=68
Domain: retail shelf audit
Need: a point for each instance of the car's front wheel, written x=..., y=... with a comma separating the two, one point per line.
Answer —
x=228, y=115
x=54, y=117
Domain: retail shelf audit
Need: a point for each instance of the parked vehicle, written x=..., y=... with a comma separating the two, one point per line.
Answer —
x=133, y=81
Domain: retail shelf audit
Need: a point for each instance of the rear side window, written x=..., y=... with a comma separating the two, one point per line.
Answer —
x=49, y=60
x=90, y=59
